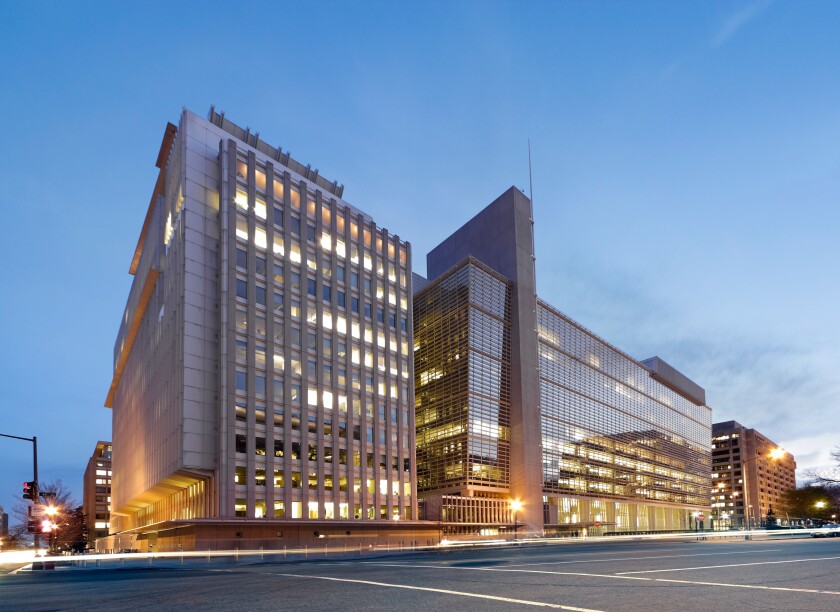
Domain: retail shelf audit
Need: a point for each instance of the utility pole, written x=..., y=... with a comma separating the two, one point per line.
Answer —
x=36, y=493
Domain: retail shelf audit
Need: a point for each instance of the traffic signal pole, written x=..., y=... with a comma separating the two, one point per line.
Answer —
x=37, y=538
x=36, y=493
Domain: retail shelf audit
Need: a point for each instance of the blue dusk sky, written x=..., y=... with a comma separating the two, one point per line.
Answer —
x=686, y=172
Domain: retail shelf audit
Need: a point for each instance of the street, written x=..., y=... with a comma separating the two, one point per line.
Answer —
x=798, y=574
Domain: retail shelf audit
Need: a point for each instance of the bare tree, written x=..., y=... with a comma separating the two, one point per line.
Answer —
x=829, y=476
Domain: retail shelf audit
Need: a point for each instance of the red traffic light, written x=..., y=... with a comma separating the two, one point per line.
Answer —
x=47, y=526
x=30, y=490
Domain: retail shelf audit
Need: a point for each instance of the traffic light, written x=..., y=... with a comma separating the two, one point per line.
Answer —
x=47, y=526
x=30, y=490
x=32, y=526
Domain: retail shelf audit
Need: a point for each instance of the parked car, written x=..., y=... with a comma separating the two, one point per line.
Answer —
x=826, y=531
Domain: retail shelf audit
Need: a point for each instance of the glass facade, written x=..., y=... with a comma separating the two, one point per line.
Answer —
x=613, y=432
x=462, y=381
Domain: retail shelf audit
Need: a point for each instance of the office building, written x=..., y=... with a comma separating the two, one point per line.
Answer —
x=750, y=472
x=527, y=421
x=262, y=388
x=96, y=497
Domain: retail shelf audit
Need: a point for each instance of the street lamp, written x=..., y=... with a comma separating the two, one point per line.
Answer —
x=515, y=506
x=49, y=525
x=777, y=453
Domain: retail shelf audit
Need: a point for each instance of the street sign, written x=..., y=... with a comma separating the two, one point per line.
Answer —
x=38, y=510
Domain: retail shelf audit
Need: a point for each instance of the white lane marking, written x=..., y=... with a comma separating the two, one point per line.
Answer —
x=622, y=577
x=444, y=591
x=608, y=560
x=604, y=560
x=688, y=569
x=748, y=586
x=501, y=569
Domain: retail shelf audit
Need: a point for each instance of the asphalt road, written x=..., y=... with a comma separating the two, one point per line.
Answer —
x=800, y=574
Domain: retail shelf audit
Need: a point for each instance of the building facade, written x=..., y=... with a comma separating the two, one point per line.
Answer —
x=96, y=502
x=750, y=472
x=529, y=422
x=262, y=371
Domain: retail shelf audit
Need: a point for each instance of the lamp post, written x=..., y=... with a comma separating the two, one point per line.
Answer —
x=515, y=506
x=34, y=440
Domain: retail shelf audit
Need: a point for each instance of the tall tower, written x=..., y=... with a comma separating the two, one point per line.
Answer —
x=495, y=250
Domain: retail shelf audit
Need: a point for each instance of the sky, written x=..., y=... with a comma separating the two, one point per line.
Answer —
x=685, y=163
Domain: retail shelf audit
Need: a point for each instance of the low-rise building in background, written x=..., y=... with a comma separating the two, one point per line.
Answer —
x=750, y=472
x=96, y=498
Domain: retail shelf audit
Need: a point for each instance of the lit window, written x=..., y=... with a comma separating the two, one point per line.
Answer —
x=259, y=208
x=380, y=340
x=368, y=359
x=368, y=262
x=312, y=396
x=354, y=330
x=341, y=325
x=242, y=229
x=294, y=253
x=241, y=200
x=339, y=248
x=326, y=241
x=368, y=335
x=328, y=400
x=260, y=239
x=326, y=320
x=355, y=355
x=278, y=245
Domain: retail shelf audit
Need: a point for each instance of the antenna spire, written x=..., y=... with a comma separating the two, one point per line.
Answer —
x=530, y=179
